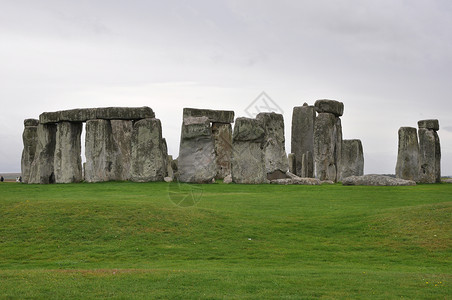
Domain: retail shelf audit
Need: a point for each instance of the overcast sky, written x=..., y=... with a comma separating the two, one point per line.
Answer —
x=389, y=61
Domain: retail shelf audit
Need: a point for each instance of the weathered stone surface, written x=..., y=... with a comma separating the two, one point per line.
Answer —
x=248, y=164
x=222, y=134
x=447, y=180
x=169, y=167
x=68, y=160
x=327, y=146
x=165, y=155
x=429, y=124
x=148, y=159
x=103, y=156
x=307, y=165
x=303, y=118
x=352, y=163
x=300, y=181
x=292, y=162
x=429, y=156
x=31, y=122
x=408, y=154
x=105, y=113
x=121, y=131
x=214, y=116
x=275, y=157
x=330, y=106
x=30, y=140
x=228, y=179
x=197, y=161
x=378, y=180
x=41, y=170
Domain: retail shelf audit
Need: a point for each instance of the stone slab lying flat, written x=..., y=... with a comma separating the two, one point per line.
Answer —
x=329, y=106
x=214, y=116
x=376, y=180
x=31, y=122
x=104, y=113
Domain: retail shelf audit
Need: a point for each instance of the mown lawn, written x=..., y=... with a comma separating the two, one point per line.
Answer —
x=130, y=240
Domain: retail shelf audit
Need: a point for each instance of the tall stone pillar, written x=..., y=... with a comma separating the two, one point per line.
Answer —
x=248, y=164
x=122, y=136
x=197, y=159
x=275, y=157
x=30, y=140
x=352, y=163
x=222, y=134
x=42, y=170
x=429, y=152
x=148, y=160
x=328, y=139
x=302, y=142
x=67, y=160
x=408, y=154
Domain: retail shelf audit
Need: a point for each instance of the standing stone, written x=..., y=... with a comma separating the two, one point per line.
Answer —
x=68, y=161
x=292, y=163
x=275, y=157
x=408, y=154
x=148, y=159
x=429, y=152
x=307, y=165
x=352, y=162
x=41, y=170
x=303, y=118
x=222, y=134
x=165, y=155
x=102, y=153
x=197, y=161
x=248, y=164
x=30, y=140
x=122, y=136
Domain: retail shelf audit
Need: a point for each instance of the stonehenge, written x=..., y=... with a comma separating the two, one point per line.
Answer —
x=126, y=144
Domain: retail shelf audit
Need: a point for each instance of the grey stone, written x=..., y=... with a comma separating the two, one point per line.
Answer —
x=299, y=181
x=329, y=106
x=248, y=164
x=307, y=165
x=429, y=156
x=222, y=134
x=42, y=170
x=352, y=162
x=303, y=119
x=447, y=180
x=378, y=180
x=292, y=162
x=429, y=124
x=103, y=156
x=214, y=116
x=105, y=113
x=197, y=161
x=228, y=179
x=408, y=154
x=327, y=146
x=148, y=159
x=30, y=140
x=169, y=166
x=168, y=179
x=275, y=157
x=165, y=155
x=68, y=160
x=121, y=131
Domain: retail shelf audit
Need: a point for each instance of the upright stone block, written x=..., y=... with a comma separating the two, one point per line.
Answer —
x=30, y=140
x=67, y=160
x=103, y=155
x=275, y=157
x=42, y=170
x=222, y=134
x=352, y=163
x=122, y=136
x=148, y=159
x=429, y=152
x=197, y=159
x=303, y=119
x=248, y=164
x=408, y=154
x=307, y=164
x=292, y=163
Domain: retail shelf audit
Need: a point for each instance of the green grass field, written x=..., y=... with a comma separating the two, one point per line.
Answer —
x=130, y=240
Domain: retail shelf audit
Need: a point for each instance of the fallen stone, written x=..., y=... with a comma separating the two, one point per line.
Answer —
x=303, y=119
x=214, y=116
x=327, y=182
x=67, y=159
x=300, y=181
x=222, y=134
x=42, y=170
x=30, y=140
x=408, y=154
x=429, y=156
x=377, y=180
x=148, y=160
x=228, y=179
x=447, y=180
x=352, y=162
x=429, y=124
x=278, y=174
x=168, y=179
x=330, y=106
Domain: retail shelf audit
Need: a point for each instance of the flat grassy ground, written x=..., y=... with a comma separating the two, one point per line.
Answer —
x=130, y=240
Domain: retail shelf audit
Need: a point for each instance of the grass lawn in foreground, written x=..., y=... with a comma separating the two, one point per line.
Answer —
x=130, y=240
